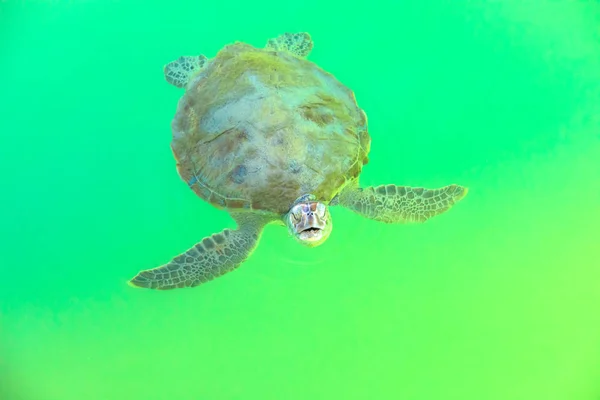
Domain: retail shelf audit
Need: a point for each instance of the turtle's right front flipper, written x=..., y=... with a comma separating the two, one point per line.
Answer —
x=212, y=257
x=400, y=204
x=179, y=72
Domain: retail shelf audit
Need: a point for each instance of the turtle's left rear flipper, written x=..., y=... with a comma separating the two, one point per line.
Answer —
x=179, y=72
x=400, y=204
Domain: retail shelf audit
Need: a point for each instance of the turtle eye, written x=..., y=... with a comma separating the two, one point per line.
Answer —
x=321, y=211
x=297, y=214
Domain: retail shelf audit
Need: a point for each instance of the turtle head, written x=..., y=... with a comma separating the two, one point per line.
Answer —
x=309, y=221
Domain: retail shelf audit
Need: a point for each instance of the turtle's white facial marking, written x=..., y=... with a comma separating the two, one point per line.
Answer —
x=309, y=222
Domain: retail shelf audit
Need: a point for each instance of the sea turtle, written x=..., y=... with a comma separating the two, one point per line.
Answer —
x=272, y=138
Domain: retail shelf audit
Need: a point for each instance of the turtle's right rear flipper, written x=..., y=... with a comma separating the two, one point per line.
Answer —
x=179, y=72
x=299, y=44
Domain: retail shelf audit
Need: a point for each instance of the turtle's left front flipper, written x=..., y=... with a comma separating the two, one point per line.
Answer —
x=400, y=204
x=212, y=257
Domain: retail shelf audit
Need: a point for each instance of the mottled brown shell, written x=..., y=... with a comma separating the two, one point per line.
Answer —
x=259, y=128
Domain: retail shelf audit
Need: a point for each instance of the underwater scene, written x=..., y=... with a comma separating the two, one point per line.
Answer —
x=300, y=200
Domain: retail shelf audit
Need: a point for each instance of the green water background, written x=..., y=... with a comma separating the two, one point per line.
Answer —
x=496, y=300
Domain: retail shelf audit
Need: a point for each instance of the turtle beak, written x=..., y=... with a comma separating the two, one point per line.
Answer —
x=309, y=222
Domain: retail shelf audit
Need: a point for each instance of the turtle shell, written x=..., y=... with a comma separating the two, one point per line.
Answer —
x=258, y=128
